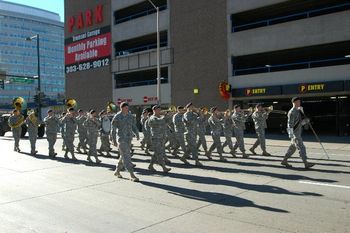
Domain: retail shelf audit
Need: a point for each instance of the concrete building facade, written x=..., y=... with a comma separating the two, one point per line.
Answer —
x=267, y=50
x=279, y=49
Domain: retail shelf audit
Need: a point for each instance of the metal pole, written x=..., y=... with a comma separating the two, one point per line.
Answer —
x=39, y=81
x=158, y=54
x=158, y=59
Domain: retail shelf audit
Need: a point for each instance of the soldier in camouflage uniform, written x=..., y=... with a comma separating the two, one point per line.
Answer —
x=216, y=129
x=190, y=121
x=105, y=131
x=296, y=121
x=135, y=132
x=92, y=125
x=62, y=130
x=146, y=141
x=228, y=127
x=148, y=133
x=179, y=129
x=170, y=134
x=202, y=128
x=259, y=117
x=32, y=123
x=158, y=133
x=239, y=118
x=82, y=132
x=123, y=128
x=52, y=126
x=144, y=117
x=16, y=121
x=70, y=125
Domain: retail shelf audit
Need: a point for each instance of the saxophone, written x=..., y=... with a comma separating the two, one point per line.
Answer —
x=18, y=124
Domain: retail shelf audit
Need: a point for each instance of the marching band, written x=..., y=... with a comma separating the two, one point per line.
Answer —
x=181, y=128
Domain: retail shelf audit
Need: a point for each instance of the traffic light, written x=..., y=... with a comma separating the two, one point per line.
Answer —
x=2, y=84
x=36, y=99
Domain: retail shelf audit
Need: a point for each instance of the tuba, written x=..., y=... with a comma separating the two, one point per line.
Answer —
x=19, y=104
x=71, y=103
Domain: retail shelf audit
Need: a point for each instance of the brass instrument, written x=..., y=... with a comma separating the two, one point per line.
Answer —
x=111, y=107
x=270, y=109
x=18, y=124
x=171, y=109
x=71, y=103
x=33, y=118
x=248, y=111
x=19, y=104
x=205, y=110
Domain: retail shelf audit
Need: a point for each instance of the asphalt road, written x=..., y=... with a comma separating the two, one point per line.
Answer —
x=38, y=194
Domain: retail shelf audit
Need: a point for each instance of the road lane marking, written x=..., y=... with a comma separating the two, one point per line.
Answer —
x=325, y=184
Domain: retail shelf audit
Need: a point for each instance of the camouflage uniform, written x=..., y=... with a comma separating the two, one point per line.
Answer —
x=104, y=136
x=63, y=134
x=170, y=134
x=32, y=133
x=142, y=122
x=239, y=119
x=202, y=126
x=123, y=129
x=70, y=125
x=228, y=126
x=216, y=129
x=190, y=120
x=52, y=126
x=146, y=133
x=158, y=134
x=92, y=126
x=295, y=122
x=259, y=118
x=82, y=132
x=179, y=128
x=16, y=132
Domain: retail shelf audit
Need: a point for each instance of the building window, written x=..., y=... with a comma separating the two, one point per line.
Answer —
x=139, y=44
x=140, y=78
x=292, y=59
x=138, y=10
x=285, y=12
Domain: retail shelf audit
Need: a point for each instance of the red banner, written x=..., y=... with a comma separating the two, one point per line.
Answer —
x=88, y=49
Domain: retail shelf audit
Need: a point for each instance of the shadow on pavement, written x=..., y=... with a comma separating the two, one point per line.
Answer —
x=263, y=188
x=211, y=197
x=64, y=160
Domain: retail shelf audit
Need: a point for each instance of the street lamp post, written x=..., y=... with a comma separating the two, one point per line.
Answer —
x=158, y=53
x=39, y=82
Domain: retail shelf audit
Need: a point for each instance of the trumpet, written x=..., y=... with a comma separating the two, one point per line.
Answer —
x=249, y=110
x=270, y=109
x=171, y=109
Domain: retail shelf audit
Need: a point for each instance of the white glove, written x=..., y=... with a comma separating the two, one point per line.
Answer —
x=305, y=121
x=301, y=109
x=290, y=132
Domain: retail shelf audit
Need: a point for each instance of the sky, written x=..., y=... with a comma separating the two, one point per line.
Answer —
x=56, y=6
